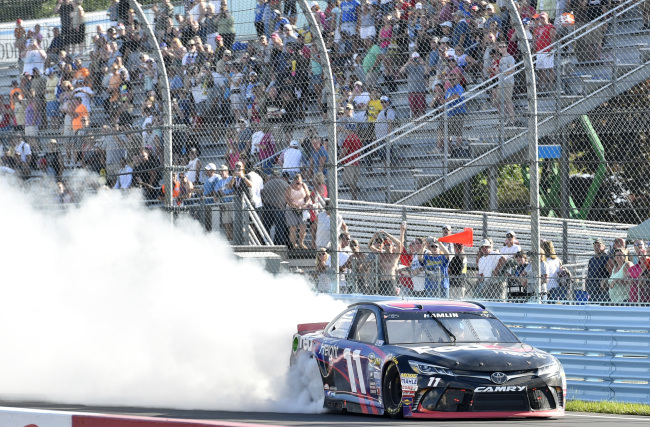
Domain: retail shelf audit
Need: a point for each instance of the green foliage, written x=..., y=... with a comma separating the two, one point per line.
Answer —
x=608, y=407
x=25, y=9
x=512, y=192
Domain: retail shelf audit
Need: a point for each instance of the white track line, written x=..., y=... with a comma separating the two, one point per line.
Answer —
x=609, y=417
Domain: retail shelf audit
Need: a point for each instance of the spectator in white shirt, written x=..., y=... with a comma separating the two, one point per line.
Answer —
x=292, y=159
x=487, y=264
x=125, y=177
x=510, y=247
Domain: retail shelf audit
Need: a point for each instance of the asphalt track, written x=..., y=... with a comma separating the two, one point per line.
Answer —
x=338, y=419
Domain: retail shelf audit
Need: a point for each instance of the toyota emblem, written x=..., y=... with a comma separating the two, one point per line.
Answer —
x=499, y=378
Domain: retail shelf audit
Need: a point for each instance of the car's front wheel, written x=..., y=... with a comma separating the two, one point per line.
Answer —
x=392, y=392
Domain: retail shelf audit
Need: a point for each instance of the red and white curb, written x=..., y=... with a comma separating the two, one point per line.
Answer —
x=24, y=417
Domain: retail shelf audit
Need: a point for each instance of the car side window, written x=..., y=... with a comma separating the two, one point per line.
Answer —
x=341, y=326
x=364, y=328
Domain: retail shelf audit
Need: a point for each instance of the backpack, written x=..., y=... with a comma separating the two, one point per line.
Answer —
x=564, y=277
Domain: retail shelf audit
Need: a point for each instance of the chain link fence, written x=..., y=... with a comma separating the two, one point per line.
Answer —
x=431, y=112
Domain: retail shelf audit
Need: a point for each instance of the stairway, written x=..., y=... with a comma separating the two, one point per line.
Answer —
x=419, y=176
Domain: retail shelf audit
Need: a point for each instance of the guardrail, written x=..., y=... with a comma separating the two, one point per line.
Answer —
x=605, y=351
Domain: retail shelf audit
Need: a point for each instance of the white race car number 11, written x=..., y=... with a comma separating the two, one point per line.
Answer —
x=357, y=361
x=433, y=382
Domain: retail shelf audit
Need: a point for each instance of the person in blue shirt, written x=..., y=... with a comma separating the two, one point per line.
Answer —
x=319, y=157
x=461, y=34
x=226, y=194
x=456, y=111
x=280, y=22
x=260, y=9
x=435, y=261
x=492, y=17
x=210, y=183
x=434, y=57
x=349, y=16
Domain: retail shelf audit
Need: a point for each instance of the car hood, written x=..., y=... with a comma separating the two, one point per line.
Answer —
x=479, y=357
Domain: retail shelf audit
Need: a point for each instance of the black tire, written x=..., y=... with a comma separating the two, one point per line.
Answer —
x=391, y=392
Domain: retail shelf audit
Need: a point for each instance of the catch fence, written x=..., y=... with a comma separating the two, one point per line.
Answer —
x=429, y=109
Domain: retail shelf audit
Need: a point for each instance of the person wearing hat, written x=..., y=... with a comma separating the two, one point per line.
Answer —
x=508, y=251
x=446, y=231
x=416, y=81
x=493, y=16
x=434, y=258
x=510, y=246
x=487, y=264
x=456, y=110
x=210, y=181
x=292, y=159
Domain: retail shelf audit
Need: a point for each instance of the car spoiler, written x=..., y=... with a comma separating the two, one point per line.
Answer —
x=311, y=327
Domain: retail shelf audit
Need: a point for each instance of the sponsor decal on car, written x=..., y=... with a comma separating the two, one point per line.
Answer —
x=303, y=342
x=329, y=351
x=409, y=384
x=428, y=315
x=500, y=389
x=374, y=360
x=408, y=393
x=407, y=401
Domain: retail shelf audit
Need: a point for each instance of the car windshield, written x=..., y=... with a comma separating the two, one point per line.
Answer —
x=416, y=328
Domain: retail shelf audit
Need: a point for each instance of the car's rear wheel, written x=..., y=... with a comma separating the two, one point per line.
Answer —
x=392, y=392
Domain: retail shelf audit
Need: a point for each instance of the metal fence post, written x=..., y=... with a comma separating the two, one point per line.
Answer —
x=565, y=241
x=485, y=225
x=533, y=161
x=238, y=219
x=445, y=145
x=317, y=37
x=167, y=106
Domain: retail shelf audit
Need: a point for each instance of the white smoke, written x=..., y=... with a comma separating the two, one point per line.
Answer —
x=107, y=303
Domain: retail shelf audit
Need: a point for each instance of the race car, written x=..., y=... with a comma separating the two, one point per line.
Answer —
x=430, y=359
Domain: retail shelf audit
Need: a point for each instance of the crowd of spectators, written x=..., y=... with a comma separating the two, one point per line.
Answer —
x=428, y=267
x=219, y=78
x=100, y=104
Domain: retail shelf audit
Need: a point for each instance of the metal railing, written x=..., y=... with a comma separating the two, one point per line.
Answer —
x=478, y=93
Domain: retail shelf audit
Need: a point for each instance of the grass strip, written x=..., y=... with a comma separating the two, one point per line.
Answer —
x=619, y=408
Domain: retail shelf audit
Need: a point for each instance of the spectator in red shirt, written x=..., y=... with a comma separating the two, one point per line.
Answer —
x=351, y=173
x=543, y=37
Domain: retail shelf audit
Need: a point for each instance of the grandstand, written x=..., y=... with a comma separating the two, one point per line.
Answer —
x=247, y=81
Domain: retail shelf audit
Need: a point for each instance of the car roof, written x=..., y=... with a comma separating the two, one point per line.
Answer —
x=400, y=306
